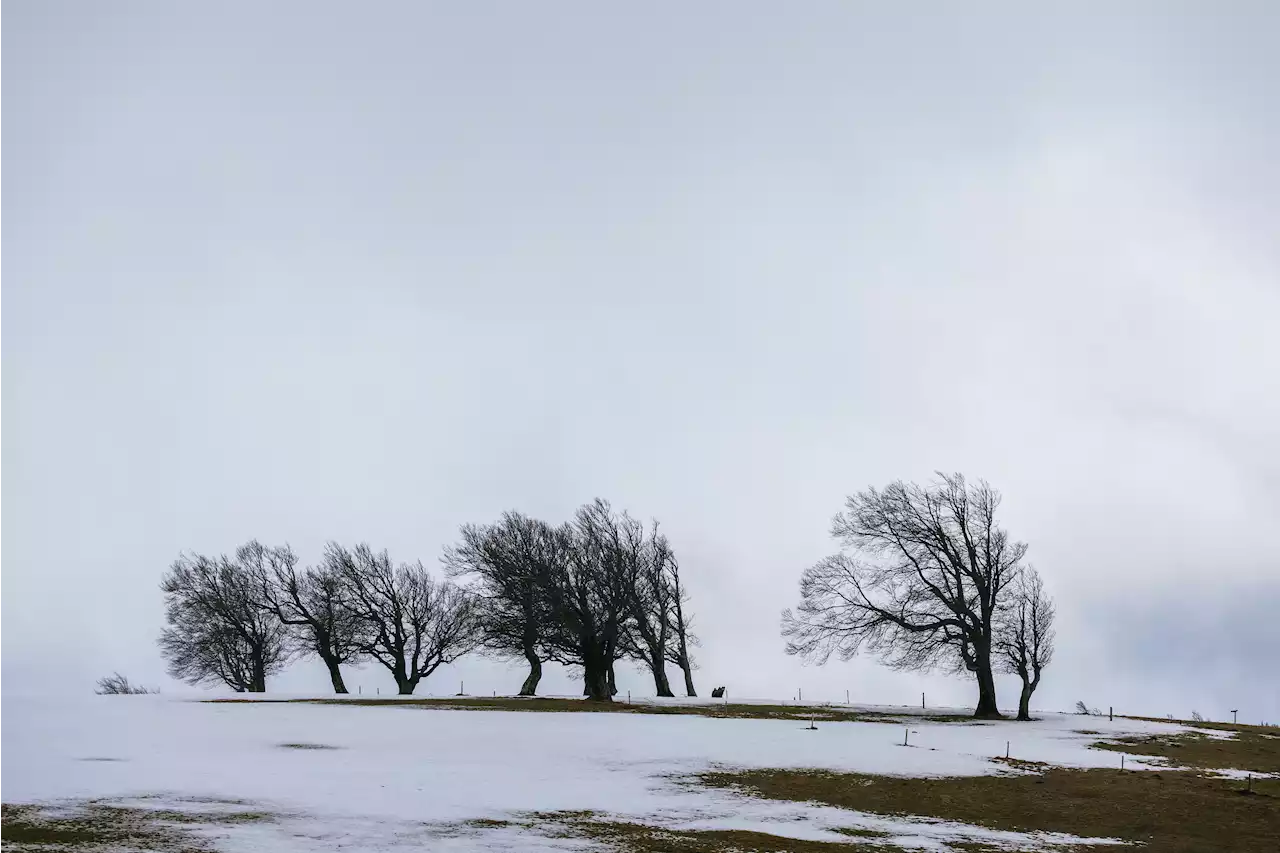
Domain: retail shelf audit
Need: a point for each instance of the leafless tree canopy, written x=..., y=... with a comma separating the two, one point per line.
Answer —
x=117, y=685
x=589, y=597
x=314, y=603
x=920, y=585
x=585, y=594
x=681, y=626
x=652, y=599
x=1024, y=635
x=217, y=632
x=511, y=563
x=409, y=623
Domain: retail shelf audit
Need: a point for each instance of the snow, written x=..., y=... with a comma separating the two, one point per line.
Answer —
x=397, y=773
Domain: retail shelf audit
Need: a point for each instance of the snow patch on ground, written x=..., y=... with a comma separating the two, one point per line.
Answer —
x=394, y=776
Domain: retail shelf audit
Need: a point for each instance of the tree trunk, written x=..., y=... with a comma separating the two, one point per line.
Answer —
x=406, y=686
x=660, y=682
x=259, y=684
x=688, y=677
x=987, y=707
x=1024, y=701
x=530, y=686
x=597, y=684
x=657, y=663
x=613, y=682
x=335, y=675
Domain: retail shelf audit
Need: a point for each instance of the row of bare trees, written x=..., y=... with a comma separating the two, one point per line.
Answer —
x=586, y=594
x=928, y=578
x=237, y=621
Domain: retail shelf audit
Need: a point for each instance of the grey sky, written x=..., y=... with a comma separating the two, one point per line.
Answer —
x=321, y=271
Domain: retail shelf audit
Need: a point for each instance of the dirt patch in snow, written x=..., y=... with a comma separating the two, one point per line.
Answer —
x=1247, y=748
x=98, y=825
x=1167, y=811
x=742, y=711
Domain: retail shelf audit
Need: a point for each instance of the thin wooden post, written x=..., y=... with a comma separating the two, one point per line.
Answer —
x=1006, y=749
x=1111, y=713
x=905, y=734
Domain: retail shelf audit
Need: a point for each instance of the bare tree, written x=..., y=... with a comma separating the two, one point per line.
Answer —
x=923, y=585
x=409, y=623
x=652, y=598
x=512, y=562
x=1024, y=635
x=589, y=595
x=117, y=685
x=314, y=603
x=681, y=624
x=217, y=631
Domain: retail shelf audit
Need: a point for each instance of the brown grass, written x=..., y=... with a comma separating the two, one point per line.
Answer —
x=1169, y=811
x=640, y=838
x=803, y=713
x=1252, y=748
x=630, y=837
x=96, y=826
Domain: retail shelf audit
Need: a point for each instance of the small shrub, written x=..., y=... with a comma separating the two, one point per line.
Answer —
x=117, y=685
x=1195, y=715
x=1082, y=708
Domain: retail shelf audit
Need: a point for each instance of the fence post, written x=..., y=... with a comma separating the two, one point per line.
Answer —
x=1111, y=713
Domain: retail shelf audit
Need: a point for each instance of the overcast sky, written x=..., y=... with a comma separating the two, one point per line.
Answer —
x=367, y=272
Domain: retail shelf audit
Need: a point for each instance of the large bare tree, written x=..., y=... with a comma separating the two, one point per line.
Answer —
x=217, y=631
x=681, y=626
x=652, y=598
x=589, y=595
x=512, y=562
x=920, y=585
x=1024, y=635
x=314, y=603
x=409, y=623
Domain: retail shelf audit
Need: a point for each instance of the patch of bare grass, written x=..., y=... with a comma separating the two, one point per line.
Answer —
x=629, y=837
x=799, y=713
x=98, y=826
x=1167, y=811
x=1249, y=748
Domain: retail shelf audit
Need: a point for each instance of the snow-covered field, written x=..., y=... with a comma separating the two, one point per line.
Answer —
x=396, y=776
